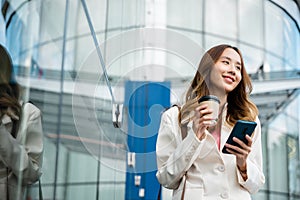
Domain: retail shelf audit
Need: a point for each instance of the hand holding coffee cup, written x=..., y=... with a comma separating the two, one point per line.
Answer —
x=205, y=115
x=212, y=103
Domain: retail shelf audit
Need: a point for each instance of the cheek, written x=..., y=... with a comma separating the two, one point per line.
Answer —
x=239, y=78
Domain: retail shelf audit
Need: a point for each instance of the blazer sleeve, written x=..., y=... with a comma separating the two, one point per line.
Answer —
x=174, y=155
x=256, y=178
x=23, y=155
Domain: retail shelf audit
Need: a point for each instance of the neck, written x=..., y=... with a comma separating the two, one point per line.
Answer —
x=223, y=100
x=222, y=97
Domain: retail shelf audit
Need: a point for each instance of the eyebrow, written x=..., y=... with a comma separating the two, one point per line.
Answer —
x=230, y=59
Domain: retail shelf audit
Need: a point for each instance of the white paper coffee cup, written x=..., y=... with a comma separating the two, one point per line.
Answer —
x=213, y=103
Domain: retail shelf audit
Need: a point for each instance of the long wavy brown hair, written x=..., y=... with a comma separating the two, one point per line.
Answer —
x=9, y=89
x=239, y=105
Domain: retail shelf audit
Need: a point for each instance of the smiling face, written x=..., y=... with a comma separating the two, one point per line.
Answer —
x=221, y=72
x=226, y=73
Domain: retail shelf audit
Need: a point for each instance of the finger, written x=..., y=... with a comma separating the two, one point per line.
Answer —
x=238, y=150
x=200, y=124
x=201, y=107
x=241, y=143
x=232, y=152
x=202, y=113
x=237, y=154
x=246, y=148
x=249, y=139
x=205, y=122
x=205, y=112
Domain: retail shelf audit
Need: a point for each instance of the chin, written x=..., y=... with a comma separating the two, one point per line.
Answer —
x=227, y=90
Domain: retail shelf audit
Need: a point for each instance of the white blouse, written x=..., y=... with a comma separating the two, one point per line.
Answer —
x=209, y=173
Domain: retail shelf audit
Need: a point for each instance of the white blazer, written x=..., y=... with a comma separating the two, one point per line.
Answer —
x=209, y=173
x=22, y=156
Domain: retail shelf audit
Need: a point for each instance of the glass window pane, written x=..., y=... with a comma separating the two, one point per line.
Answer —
x=221, y=18
x=187, y=15
x=291, y=45
x=212, y=40
x=277, y=161
x=274, y=32
x=251, y=22
x=253, y=57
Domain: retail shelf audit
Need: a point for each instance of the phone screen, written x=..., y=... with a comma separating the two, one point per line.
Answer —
x=240, y=129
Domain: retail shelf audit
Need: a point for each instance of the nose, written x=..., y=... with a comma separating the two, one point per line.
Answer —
x=232, y=69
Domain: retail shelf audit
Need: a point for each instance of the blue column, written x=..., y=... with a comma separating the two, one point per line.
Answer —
x=144, y=102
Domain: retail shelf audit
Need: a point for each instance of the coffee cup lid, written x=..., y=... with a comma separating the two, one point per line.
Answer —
x=209, y=98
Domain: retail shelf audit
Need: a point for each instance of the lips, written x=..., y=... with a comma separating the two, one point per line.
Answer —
x=229, y=78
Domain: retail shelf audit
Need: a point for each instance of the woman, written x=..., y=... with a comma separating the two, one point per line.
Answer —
x=21, y=136
x=194, y=166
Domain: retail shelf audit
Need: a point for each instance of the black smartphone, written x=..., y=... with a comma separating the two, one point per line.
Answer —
x=240, y=129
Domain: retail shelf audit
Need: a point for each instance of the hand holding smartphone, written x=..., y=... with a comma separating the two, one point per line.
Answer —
x=239, y=131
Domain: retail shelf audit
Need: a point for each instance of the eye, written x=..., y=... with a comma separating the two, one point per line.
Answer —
x=225, y=62
x=238, y=67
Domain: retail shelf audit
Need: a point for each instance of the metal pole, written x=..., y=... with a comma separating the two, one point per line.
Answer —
x=60, y=97
x=117, y=109
x=97, y=48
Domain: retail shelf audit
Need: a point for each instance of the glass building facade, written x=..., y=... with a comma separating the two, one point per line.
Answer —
x=75, y=57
